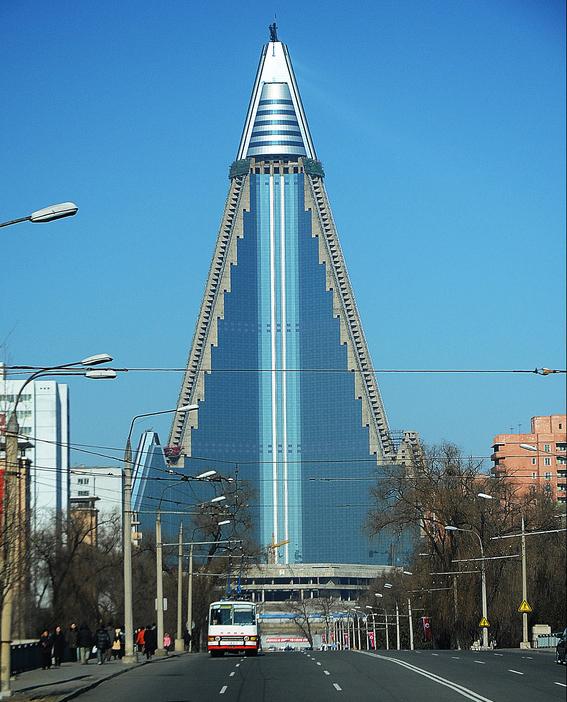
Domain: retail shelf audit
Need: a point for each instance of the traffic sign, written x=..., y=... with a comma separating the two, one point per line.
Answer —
x=524, y=607
x=484, y=622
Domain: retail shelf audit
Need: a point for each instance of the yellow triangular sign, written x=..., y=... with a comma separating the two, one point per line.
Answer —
x=524, y=607
x=484, y=622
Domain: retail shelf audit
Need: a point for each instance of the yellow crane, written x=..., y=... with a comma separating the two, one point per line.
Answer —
x=271, y=548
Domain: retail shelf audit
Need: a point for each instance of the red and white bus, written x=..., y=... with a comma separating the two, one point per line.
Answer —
x=233, y=627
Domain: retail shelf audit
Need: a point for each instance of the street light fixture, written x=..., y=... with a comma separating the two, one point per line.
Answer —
x=224, y=521
x=47, y=214
x=485, y=496
x=206, y=474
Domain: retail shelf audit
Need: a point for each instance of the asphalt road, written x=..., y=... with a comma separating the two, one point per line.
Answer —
x=394, y=676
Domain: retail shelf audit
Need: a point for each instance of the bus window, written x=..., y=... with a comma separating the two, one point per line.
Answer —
x=244, y=615
x=221, y=615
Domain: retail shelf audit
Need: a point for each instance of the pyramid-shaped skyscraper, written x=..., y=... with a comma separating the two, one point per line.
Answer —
x=279, y=365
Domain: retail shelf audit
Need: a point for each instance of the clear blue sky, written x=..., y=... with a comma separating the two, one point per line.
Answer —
x=441, y=126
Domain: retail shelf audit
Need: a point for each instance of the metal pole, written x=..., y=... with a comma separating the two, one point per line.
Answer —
x=397, y=627
x=358, y=632
x=525, y=640
x=456, y=613
x=410, y=625
x=374, y=630
x=9, y=534
x=127, y=552
x=179, y=644
x=484, y=604
x=387, y=632
x=159, y=585
x=190, y=598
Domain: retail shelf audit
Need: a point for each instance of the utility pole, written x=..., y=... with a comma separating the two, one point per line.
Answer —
x=525, y=640
x=179, y=643
x=397, y=627
x=128, y=656
x=410, y=625
x=190, y=598
x=159, y=584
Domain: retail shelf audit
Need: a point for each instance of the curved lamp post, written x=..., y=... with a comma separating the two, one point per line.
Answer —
x=10, y=511
x=127, y=531
x=483, y=580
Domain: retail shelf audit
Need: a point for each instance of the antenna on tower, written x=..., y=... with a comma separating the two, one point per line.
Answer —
x=273, y=31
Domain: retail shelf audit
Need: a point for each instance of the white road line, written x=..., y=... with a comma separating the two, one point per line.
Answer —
x=237, y=665
x=460, y=689
x=231, y=674
x=562, y=684
x=481, y=662
x=318, y=663
x=528, y=657
x=457, y=658
x=499, y=654
x=223, y=689
x=514, y=671
x=337, y=687
x=434, y=654
x=327, y=673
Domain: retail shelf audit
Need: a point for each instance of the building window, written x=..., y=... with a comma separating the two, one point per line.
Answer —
x=534, y=461
x=547, y=448
x=534, y=476
x=562, y=487
x=561, y=446
x=83, y=493
x=547, y=475
x=547, y=461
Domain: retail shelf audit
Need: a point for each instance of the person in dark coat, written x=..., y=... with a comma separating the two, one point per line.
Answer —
x=85, y=642
x=73, y=640
x=150, y=641
x=102, y=643
x=59, y=643
x=187, y=640
x=45, y=646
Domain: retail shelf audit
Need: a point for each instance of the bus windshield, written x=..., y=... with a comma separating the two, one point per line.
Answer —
x=221, y=615
x=244, y=615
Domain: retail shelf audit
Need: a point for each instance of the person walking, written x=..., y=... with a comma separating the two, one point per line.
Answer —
x=187, y=640
x=166, y=643
x=150, y=641
x=140, y=639
x=73, y=641
x=59, y=643
x=85, y=643
x=116, y=648
x=45, y=647
x=110, y=631
x=102, y=643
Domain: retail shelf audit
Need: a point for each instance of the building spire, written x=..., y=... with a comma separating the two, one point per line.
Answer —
x=273, y=31
x=275, y=125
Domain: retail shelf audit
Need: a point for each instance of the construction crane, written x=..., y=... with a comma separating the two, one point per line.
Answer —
x=271, y=549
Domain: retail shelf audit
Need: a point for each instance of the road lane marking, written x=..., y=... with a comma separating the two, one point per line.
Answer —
x=498, y=654
x=562, y=684
x=231, y=674
x=337, y=687
x=514, y=671
x=460, y=689
x=481, y=662
x=457, y=658
x=237, y=665
x=223, y=689
x=528, y=657
x=434, y=654
x=318, y=663
x=327, y=673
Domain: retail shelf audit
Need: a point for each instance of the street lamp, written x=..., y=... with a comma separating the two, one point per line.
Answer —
x=46, y=214
x=483, y=580
x=127, y=531
x=10, y=511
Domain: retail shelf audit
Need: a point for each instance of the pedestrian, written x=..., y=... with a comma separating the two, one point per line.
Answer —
x=73, y=641
x=187, y=640
x=110, y=632
x=140, y=636
x=45, y=646
x=166, y=643
x=85, y=643
x=59, y=643
x=150, y=641
x=102, y=643
x=116, y=648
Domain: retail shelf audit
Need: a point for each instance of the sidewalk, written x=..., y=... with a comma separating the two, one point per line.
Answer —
x=71, y=679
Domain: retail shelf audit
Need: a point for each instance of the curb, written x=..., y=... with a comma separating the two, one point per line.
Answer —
x=126, y=669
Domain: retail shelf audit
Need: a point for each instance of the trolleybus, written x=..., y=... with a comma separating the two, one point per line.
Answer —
x=233, y=627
